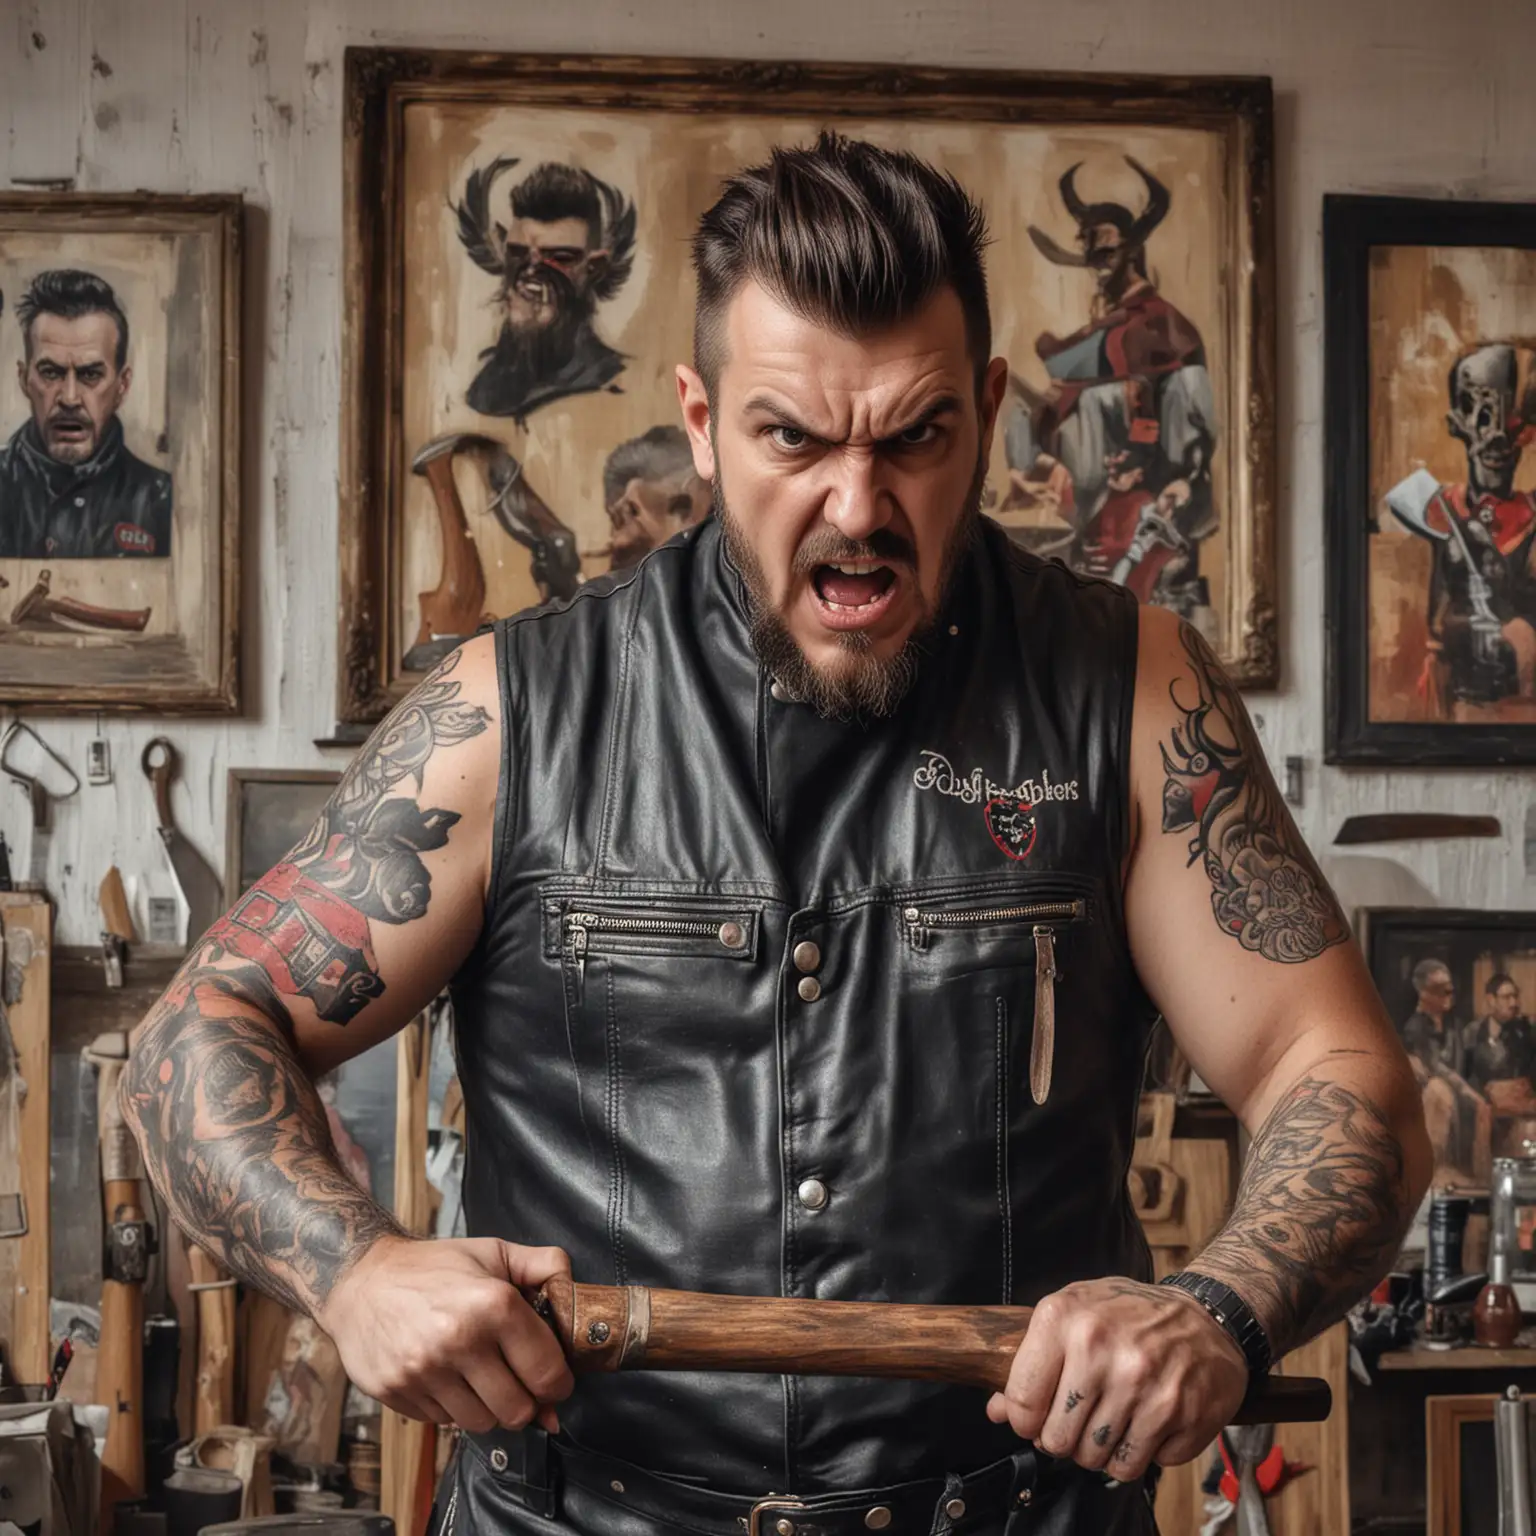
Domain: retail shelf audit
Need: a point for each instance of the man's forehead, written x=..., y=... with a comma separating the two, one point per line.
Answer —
x=84, y=339
x=771, y=347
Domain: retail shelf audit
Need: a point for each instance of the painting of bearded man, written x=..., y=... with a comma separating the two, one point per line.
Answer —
x=568, y=246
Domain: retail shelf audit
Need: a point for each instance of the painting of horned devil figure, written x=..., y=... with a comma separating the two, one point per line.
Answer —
x=520, y=294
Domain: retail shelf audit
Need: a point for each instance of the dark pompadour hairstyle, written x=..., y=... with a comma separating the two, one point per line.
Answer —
x=851, y=236
x=70, y=293
x=554, y=191
x=1500, y=979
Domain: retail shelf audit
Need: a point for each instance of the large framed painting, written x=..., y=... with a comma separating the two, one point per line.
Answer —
x=1430, y=405
x=519, y=292
x=1460, y=985
x=120, y=452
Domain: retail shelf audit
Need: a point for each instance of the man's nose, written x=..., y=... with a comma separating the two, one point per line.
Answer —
x=858, y=504
x=71, y=391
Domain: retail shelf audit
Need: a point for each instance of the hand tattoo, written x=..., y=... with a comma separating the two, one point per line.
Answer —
x=1266, y=890
x=1102, y=1433
x=234, y=1136
x=1073, y=1399
x=1319, y=1212
x=1124, y=1451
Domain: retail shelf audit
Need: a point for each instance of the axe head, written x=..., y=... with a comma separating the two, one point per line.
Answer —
x=451, y=443
x=1409, y=501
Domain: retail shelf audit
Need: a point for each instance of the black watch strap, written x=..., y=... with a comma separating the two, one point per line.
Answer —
x=1232, y=1313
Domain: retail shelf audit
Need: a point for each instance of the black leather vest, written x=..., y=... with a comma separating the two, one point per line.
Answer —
x=753, y=1005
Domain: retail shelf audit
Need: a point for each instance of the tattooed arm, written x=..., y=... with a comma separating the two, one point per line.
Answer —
x=333, y=950
x=1242, y=946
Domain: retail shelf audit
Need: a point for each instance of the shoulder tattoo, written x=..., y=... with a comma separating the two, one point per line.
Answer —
x=1266, y=891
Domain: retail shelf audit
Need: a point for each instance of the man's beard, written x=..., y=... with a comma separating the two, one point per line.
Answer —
x=865, y=686
x=542, y=347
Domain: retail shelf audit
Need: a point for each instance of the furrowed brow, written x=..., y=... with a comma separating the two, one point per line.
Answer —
x=945, y=405
x=761, y=405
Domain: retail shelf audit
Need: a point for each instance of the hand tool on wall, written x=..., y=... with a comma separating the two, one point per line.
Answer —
x=199, y=886
x=1390, y=826
x=116, y=925
x=45, y=776
x=613, y=1327
x=214, y=1288
x=120, y=1363
x=528, y=518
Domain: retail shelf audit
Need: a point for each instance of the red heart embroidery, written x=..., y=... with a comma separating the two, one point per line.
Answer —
x=1012, y=826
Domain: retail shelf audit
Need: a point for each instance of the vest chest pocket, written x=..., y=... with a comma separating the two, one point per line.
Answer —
x=577, y=929
x=1005, y=920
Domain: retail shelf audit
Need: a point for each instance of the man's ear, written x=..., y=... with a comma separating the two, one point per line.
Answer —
x=994, y=386
x=124, y=379
x=598, y=263
x=693, y=399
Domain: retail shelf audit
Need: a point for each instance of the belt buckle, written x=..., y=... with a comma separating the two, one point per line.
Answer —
x=772, y=1504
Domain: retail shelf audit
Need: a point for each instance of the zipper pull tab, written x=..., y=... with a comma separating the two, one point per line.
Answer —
x=917, y=935
x=577, y=944
x=1042, y=1050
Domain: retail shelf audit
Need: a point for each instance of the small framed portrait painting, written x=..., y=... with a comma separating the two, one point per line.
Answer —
x=119, y=452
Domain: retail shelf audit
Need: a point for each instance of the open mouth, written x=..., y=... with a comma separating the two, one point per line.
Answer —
x=853, y=594
x=67, y=429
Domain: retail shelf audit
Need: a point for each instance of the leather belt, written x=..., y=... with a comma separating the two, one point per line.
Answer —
x=549, y=1476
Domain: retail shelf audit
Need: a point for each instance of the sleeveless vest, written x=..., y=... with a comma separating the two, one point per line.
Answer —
x=753, y=1004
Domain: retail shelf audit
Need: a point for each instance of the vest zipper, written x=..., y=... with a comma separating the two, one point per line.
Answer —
x=732, y=934
x=918, y=923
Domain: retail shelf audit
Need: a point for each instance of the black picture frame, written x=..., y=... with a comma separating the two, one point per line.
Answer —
x=1472, y=945
x=1352, y=226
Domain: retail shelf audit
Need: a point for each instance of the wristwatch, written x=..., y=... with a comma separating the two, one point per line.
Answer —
x=1232, y=1313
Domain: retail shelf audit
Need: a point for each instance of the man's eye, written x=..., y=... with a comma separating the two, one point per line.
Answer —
x=788, y=437
x=918, y=436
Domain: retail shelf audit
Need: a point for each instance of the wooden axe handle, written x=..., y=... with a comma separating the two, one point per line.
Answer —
x=613, y=1328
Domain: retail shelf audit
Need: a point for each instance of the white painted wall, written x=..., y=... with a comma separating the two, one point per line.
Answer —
x=1392, y=96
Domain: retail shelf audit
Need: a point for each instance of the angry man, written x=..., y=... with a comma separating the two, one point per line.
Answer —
x=829, y=971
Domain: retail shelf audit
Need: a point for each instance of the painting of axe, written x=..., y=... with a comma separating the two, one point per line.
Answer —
x=455, y=607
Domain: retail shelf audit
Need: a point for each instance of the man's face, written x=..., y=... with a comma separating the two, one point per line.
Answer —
x=72, y=382
x=648, y=512
x=550, y=268
x=1506, y=1003
x=1437, y=994
x=1106, y=253
x=847, y=470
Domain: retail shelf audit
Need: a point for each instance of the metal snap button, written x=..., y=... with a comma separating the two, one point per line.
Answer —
x=807, y=955
x=617, y=1486
x=809, y=989
x=784, y=1527
x=732, y=935
x=499, y=1459
x=878, y=1518
x=781, y=696
x=955, y=1508
x=1026, y=1496
x=813, y=1194
x=598, y=1332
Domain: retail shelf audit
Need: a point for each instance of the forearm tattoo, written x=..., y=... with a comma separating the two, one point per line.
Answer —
x=234, y=1135
x=1319, y=1213
x=235, y=1138
x=1266, y=891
